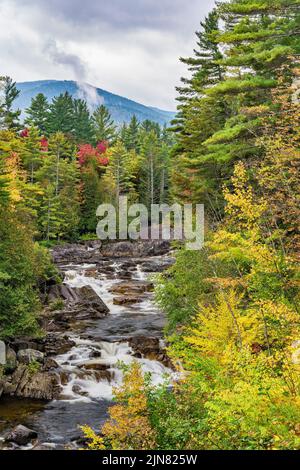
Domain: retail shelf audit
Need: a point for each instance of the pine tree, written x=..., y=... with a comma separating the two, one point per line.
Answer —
x=32, y=153
x=104, y=127
x=121, y=172
x=221, y=106
x=92, y=195
x=83, y=130
x=132, y=135
x=151, y=179
x=9, y=118
x=38, y=113
x=59, y=175
x=58, y=150
x=61, y=116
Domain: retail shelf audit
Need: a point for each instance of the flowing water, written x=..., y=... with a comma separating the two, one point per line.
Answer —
x=91, y=369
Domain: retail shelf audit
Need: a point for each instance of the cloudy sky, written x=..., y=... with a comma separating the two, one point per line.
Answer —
x=128, y=47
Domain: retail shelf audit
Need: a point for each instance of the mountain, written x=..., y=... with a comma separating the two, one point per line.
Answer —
x=122, y=109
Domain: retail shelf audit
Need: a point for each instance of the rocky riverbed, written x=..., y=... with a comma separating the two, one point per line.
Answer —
x=102, y=314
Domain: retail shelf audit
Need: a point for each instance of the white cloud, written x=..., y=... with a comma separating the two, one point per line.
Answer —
x=130, y=48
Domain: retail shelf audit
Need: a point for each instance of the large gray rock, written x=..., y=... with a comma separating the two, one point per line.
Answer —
x=26, y=356
x=61, y=292
x=54, y=345
x=2, y=353
x=21, y=435
x=85, y=304
x=25, y=384
x=135, y=249
x=86, y=252
x=11, y=359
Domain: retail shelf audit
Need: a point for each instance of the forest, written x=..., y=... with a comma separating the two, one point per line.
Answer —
x=233, y=329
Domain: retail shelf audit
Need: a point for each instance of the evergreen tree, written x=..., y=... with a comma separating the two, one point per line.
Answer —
x=59, y=149
x=230, y=90
x=104, y=127
x=83, y=130
x=9, y=118
x=121, y=172
x=61, y=116
x=59, y=175
x=38, y=113
x=32, y=153
x=151, y=178
x=131, y=140
x=92, y=194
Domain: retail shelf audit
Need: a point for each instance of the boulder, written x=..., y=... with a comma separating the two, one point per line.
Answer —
x=26, y=356
x=11, y=359
x=85, y=252
x=131, y=288
x=80, y=303
x=78, y=390
x=92, y=272
x=137, y=249
x=21, y=435
x=94, y=365
x=95, y=354
x=50, y=364
x=55, y=344
x=61, y=292
x=127, y=300
x=25, y=384
x=150, y=348
x=2, y=353
x=104, y=375
x=25, y=343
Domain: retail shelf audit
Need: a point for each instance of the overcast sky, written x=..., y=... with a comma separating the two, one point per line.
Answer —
x=128, y=47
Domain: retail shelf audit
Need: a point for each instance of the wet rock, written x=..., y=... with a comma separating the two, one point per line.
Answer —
x=64, y=377
x=83, y=304
x=127, y=300
x=95, y=354
x=92, y=272
x=48, y=446
x=85, y=252
x=150, y=348
x=38, y=385
x=11, y=360
x=78, y=390
x=26, y=356
x=63, y=292
x=21, y=435
x=54, y=344
x=135, y=249
x=130, y=288
x=50, y=364
x=93, y=365
x=104, y=375
x=2, y=353
x=73, y=357
x=157, y=265
x=91, y=300
x=25, y=343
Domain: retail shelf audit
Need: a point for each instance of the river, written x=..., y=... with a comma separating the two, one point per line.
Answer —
x=91, y=369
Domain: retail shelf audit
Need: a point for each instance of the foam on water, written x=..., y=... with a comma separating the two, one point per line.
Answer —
x=84, y=384
x=112, y=356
